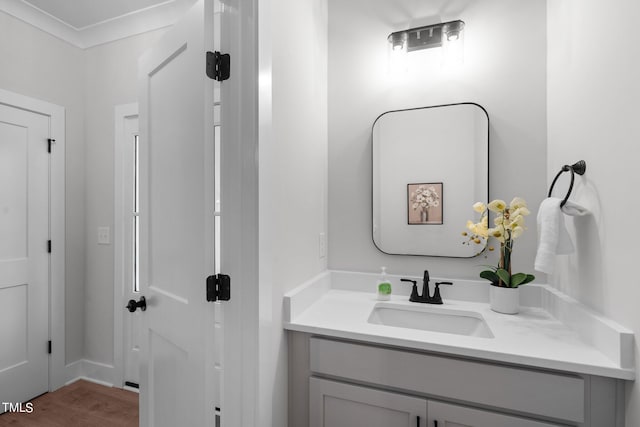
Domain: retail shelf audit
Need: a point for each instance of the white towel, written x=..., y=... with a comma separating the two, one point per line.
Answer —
x=553, y=236
x=573, y=209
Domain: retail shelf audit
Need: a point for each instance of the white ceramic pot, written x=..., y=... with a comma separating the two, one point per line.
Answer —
x=504, y=300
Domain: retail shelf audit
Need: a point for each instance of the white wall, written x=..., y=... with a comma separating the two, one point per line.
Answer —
x=38, y=65
x=293, y=174
x=110, y=78
x=593, y=93
x=504, y=71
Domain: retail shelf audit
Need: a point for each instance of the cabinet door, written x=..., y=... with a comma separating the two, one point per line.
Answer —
x=447, y=415
x=335, y=404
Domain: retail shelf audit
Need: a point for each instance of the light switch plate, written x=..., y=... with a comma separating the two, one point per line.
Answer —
x=104, y=237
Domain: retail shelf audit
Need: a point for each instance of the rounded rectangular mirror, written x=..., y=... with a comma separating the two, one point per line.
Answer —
x=430, y=165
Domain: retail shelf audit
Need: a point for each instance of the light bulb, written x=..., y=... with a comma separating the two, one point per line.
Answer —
x=453, y=36
x=453, y=45
x=397, y=52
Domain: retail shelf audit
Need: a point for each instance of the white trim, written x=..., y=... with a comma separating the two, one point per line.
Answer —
x=121, y=113
x=130, y=24
x=239, y=237
x=267, y=212
x=73, y=372
x=56, y=116
x=95, y=372
x=124, y=15
x=38, y=19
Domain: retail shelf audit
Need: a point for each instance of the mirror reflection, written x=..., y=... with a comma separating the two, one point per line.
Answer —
x=430, y=165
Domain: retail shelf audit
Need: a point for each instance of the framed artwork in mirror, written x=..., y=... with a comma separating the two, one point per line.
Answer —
x=424, y=203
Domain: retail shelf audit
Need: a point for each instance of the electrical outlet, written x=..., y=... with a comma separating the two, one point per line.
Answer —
x=103, y=236
x=322, y=245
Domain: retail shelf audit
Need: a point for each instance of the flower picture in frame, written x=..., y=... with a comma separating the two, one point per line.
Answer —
x=424, y=203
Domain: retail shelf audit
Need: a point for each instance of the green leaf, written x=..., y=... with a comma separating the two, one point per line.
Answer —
x=490, y=276
x=517, y=279
x=504, y=275
x=520, y=279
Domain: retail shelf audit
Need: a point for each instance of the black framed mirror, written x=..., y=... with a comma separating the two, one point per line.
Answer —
x=430, y=165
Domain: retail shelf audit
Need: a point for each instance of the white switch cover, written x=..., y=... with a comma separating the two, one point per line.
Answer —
x=103, y=236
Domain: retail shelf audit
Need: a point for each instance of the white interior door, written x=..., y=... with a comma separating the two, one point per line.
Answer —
x=177, y=386
x=24, y=257
x=130, y=249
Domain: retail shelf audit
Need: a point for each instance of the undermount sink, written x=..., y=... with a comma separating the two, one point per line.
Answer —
x=430, y=319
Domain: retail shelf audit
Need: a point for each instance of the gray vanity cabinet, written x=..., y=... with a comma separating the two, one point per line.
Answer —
x=342, y=383
x=336, y=404
x=449, y=415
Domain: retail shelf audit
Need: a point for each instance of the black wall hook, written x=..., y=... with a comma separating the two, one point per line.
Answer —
x=577, y=168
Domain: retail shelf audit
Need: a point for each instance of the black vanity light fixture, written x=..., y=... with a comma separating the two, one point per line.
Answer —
x=448, y=35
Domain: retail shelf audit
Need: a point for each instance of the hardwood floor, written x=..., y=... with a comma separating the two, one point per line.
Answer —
x=81, y=404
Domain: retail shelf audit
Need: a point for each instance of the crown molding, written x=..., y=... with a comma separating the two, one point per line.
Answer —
x=45, y=22
x=130, y=24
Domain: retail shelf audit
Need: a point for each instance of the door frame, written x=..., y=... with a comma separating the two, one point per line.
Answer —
x=244, y=364
x=56, y=114
x=121, y=113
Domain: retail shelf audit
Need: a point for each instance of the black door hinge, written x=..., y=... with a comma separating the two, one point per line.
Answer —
x=50, y=142
x=218, y=288
x=49, y=246
x=49, y=349
x=218, y=66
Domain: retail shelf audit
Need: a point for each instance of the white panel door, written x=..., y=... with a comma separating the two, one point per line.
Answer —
x=177, y=223
x=24, y=258
x=448, y=415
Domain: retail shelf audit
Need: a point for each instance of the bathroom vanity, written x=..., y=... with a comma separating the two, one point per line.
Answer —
x=353, y=362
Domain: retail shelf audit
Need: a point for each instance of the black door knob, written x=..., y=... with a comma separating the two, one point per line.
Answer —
x=133, y=304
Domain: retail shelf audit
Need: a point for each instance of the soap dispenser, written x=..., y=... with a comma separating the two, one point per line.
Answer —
x=384, y=286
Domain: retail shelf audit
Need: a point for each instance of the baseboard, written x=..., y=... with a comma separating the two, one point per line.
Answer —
x=99, y=373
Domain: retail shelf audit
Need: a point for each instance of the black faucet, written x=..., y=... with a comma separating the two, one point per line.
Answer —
x=426, y=298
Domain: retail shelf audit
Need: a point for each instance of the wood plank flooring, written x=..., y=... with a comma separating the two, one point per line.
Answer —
x=81, y=404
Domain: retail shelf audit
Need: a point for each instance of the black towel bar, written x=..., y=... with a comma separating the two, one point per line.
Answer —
x=576, y=168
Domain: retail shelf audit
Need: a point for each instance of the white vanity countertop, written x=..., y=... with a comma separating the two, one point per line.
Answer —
x=534, y=337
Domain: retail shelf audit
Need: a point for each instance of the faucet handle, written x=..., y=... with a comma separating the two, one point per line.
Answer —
x=437, y=299
x=414, y=290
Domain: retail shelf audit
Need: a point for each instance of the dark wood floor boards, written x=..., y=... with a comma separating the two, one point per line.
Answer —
x=80, y=404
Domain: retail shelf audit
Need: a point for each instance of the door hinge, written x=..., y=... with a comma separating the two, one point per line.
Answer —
x=50, y=142
x=218, y=66
x=218, y=288
x=49, y=348
x=49, y=246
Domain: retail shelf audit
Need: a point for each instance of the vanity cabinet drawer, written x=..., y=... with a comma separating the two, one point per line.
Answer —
x=523, y=390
